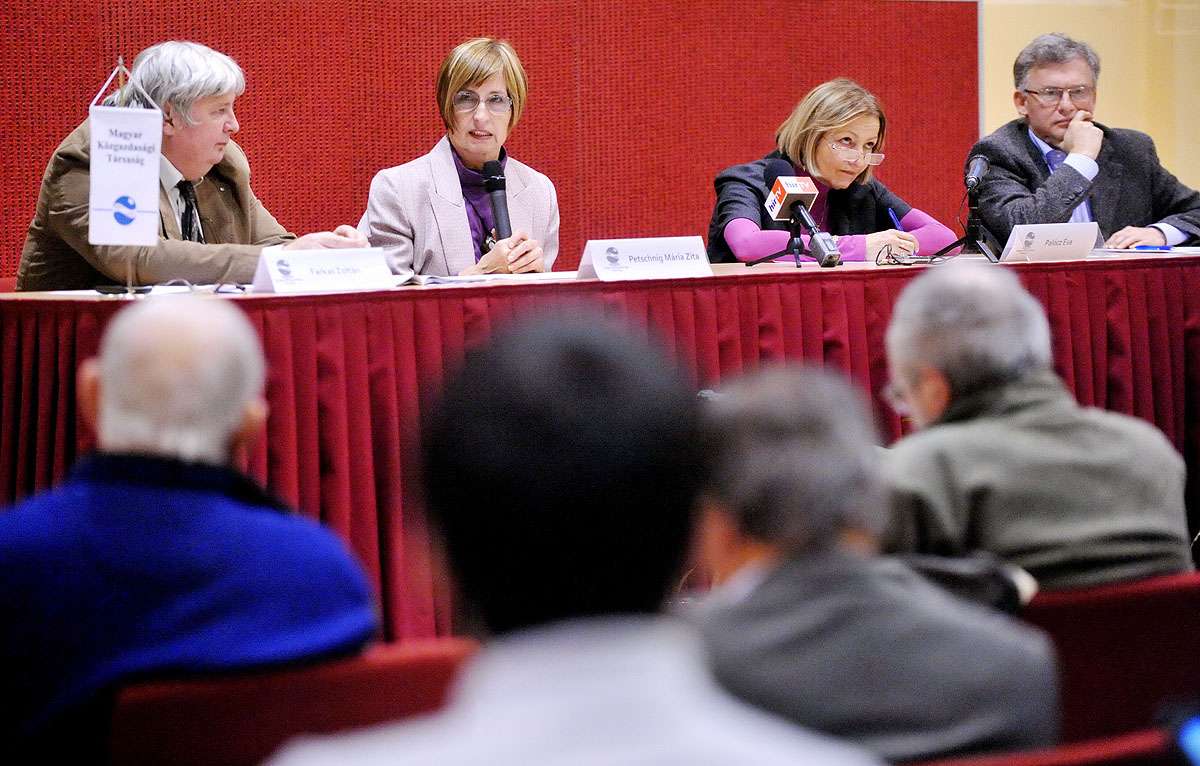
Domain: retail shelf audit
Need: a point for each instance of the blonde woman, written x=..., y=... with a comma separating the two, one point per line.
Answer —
x=835, y=136
x=432, y=215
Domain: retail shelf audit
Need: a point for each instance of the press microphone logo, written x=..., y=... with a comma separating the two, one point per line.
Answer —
x=123, y=209
x=612, y=255
x=777, y=194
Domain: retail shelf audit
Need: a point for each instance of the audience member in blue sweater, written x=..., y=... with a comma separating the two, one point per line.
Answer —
x=153, y=557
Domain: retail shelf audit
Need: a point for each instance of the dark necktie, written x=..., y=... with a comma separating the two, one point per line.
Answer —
x=1055, y=159
x=189, y=226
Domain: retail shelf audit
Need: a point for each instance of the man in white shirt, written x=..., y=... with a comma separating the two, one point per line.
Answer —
x=561, y=468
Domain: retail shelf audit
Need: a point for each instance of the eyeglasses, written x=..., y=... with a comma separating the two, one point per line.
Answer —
x=1080, y=95
x=850, y=154
x=466, y=101
x=886, y=257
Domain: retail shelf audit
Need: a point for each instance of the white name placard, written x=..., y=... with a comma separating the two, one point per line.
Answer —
x=322, y=271
x=1051, y=242
x=646, y=258
x=123, y=201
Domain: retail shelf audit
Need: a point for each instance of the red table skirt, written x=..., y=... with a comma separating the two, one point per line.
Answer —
x=350, y=375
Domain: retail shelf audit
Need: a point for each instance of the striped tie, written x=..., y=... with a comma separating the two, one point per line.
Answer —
x=189, y=226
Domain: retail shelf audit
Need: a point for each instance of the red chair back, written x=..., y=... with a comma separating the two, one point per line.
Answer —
x=1152, y=747
x=1123, y=650
x=243, y=719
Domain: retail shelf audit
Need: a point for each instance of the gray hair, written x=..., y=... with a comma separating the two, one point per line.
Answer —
x=176, y=375
x=791, y=453
x=181, y=73
x=1053, y=48
x=972, y=321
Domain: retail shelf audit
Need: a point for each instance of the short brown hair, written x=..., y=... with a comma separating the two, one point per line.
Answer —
x=473, y=62
x=826, y=108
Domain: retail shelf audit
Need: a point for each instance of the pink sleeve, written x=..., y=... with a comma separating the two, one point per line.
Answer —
x=931, y=235
x=748, y=242
x=852, y=246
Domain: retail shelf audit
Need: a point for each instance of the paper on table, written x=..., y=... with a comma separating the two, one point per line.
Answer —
x=535, y=276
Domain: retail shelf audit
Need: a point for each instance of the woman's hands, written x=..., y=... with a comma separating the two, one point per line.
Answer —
x=902, y=242
x=515, y=255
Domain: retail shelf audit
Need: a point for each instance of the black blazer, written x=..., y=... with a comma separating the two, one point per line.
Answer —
x=742, y=192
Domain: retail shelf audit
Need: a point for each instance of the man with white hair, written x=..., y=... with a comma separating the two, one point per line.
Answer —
x=211, y=229
x=1004, y=459
x=808, y=622
x=153, y=556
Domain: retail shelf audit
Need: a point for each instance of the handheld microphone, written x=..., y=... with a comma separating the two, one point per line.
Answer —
x=795, y=195
x=977, y=168
x=494, y=184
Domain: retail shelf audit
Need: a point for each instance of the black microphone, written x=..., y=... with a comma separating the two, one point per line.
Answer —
x=493, y=183
x=977, y=168
x=820, y=244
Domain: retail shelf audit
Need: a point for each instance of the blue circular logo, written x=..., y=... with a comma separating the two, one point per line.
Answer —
x=124, y=207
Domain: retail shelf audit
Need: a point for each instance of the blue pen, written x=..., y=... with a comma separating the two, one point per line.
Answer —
x=1152, y=247
x=895, y=220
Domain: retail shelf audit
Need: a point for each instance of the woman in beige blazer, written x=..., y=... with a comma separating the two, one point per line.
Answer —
x=432, y=215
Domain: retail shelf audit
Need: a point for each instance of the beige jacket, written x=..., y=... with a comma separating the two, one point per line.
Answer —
x=416, y=213
x=57, y=255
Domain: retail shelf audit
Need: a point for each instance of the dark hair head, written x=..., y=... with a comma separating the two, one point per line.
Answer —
x=561, y=467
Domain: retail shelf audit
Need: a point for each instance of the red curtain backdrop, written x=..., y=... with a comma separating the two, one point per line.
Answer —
x=350, y=375
x=634, y=106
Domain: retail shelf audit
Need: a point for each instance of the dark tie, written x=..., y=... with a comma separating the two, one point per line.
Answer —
x=190, y=223
x=1055, y=159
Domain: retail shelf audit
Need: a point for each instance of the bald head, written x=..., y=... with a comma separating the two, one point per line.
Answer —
x=177, y=376
x=971, y=321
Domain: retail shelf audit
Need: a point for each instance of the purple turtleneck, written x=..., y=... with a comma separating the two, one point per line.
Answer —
x=479, y=208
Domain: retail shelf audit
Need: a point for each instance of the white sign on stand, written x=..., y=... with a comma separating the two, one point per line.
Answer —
x=646, y=258
x=322, y=271
x=1051, y=242
x=123, y=201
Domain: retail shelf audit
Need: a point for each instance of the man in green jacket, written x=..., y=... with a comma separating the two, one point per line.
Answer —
x=1005, y=460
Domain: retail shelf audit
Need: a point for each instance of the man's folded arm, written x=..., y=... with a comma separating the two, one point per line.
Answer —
x=1006, y=200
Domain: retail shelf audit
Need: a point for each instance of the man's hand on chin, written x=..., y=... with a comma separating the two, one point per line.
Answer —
x=343, y=236
x=1082, y=136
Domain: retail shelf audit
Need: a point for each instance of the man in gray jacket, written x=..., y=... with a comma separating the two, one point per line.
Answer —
x=810, y=623
x=1055, y=164
x=1004, y=459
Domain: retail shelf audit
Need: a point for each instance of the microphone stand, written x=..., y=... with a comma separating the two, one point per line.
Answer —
x=976, y=240
x=795, y=246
